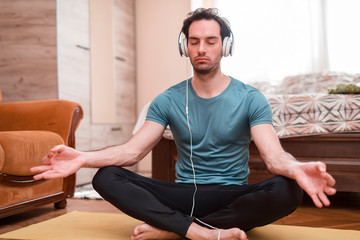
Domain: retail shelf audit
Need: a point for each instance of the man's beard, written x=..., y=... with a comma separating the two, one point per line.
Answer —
x=205, y=70
x=212, y=67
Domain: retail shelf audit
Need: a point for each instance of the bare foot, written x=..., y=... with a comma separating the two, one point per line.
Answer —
x=145, y=231
x=230, y=234
x=196, y=231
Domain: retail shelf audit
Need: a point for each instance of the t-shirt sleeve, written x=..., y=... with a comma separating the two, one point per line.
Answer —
x=158, y=109
x=259, y=110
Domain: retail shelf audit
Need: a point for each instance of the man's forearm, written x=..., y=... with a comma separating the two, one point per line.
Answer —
x=129, y=153
x=283, y=164
x=115, y=155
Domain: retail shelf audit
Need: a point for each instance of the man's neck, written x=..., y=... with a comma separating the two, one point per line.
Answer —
x=210, y=85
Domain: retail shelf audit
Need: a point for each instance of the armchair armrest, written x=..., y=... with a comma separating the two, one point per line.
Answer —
x=59, y=116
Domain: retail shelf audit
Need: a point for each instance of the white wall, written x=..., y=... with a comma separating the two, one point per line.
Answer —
x=158, y=63
x=74, y=72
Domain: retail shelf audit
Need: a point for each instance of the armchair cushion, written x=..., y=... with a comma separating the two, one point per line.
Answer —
x=25, y=149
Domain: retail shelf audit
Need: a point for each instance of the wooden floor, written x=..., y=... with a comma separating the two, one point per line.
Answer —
x=344, y=213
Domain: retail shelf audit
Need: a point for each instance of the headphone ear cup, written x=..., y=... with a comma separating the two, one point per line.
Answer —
x=182, y=42
x=184, y=47
x=226, y=47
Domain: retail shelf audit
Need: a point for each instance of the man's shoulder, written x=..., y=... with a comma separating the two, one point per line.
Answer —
x=243, y=88
x=175, y=89
x=181, y=86
x=172, y=92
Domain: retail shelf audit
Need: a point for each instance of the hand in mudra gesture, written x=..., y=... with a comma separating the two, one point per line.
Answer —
x=318, y=184
x=60, y=162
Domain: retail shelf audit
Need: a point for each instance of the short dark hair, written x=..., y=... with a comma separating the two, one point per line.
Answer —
x=208, y=14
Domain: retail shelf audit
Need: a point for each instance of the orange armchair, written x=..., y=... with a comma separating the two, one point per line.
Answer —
x=28, y=130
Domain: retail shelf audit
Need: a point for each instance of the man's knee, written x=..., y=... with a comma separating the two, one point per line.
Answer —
x=105, y=176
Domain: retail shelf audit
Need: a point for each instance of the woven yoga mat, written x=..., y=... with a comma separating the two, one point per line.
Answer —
x=104, y=226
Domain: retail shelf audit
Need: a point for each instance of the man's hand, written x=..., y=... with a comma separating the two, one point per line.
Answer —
x=317, y=183
x=60, y=162
x=311, y=176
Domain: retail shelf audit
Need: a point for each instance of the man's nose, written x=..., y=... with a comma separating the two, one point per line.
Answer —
x=202, y=48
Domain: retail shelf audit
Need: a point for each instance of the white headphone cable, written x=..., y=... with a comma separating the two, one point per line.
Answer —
x=192, y=164
x=191, y=152
x=209, y=226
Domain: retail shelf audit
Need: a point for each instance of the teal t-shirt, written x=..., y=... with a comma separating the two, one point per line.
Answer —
x=220, y=128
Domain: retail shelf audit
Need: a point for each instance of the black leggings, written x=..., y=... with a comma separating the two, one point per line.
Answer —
x=168, y=205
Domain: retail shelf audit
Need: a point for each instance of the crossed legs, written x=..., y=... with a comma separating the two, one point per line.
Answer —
x=165, y=207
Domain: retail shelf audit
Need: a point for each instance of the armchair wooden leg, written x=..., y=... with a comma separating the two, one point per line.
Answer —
x=60, y=205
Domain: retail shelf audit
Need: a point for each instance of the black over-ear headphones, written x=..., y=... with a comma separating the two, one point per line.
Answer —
x=227, y=43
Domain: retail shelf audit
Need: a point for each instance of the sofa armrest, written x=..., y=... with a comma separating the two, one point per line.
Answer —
x=59, y=116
